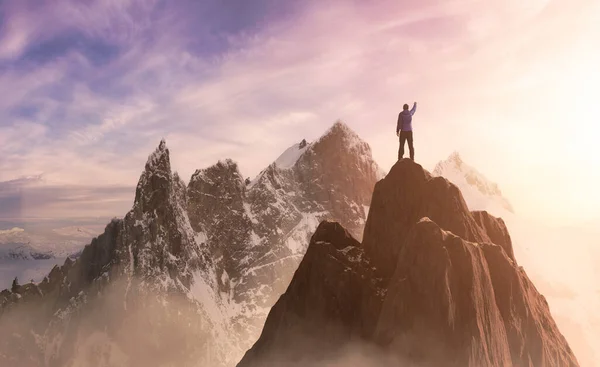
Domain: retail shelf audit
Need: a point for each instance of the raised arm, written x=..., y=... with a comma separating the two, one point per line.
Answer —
x=414, y=109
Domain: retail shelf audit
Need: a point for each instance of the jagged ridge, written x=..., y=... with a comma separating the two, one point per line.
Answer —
x=432, y=284
x=209, y=259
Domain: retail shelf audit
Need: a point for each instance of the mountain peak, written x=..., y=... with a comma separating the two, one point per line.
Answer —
x=407, y=194
x=430, y=285
x=216, y=189
x=455, y=158
x=155, y=182
x=339, y=124
x=341, y=138
x=159, y=159
x=480, y=193
x=454, y=161
x=341, y=129
x=223, y=170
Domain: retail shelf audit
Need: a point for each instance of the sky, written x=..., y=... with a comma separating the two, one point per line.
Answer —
x=89, y=88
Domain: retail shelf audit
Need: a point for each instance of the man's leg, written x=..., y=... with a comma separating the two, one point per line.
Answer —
x=410, y=145
x=402, y=141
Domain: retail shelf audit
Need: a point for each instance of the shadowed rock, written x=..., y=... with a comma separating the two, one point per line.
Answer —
x=432, y=285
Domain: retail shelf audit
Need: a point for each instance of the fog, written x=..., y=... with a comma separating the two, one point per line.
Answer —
x=563, y=265
x=353, y=354
x=128, y=324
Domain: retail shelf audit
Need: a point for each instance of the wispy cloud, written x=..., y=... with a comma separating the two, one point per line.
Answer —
x=29, y=198
x=89, y=88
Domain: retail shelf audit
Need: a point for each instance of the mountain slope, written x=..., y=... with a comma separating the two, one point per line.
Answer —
x=258, y=233
x=568, y=279
x=188, y=275
x=427, y=287
x=135, y=272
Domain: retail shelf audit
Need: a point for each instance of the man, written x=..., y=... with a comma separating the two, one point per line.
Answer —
x=404, y=130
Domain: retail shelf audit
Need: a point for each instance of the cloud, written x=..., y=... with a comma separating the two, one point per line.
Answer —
x=15, y=39
x=12, y=230
x=27, y=198
x=94, y=86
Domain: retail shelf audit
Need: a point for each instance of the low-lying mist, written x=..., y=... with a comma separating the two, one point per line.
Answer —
x=125, y=324
x=354, y=354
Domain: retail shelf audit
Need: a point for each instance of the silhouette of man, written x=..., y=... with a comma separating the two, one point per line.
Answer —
x=404, y=130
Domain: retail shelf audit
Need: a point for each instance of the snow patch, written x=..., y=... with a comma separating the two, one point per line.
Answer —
x=252, y=270
x=299, y=237
x=249, y=214
x=291, y=155
x=200, y=238
x=224, y=277
x=255, y=239
x=204, y=293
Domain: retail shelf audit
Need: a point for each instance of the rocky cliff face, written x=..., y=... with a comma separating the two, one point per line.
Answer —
x=432, y=284
x=259, y=232
x=124, y=301
x=188, y=275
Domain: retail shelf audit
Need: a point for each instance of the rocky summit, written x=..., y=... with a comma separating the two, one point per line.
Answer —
x=431, y=284
x=188, y=276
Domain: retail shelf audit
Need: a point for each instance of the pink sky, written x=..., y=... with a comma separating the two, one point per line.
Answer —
x=508, y=84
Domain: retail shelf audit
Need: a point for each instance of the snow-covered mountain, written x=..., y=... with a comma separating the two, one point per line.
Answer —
x=258, y=233
x=15, y=245
x=479, y=192
x=61, y=242
x=30, y=255
x=188, y=275
x=20, y=251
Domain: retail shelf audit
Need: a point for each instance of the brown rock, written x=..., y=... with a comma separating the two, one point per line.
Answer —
x=496, y=231
x=423, y=293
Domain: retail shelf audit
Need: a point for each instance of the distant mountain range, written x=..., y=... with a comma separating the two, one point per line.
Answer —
x=61, y=242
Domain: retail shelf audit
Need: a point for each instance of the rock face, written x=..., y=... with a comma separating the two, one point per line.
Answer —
x=187, y=277
x=432, y=284
x=125, y=300
x=258, y=232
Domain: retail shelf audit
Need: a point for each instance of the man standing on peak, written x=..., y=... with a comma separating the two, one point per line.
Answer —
x=404, y=130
